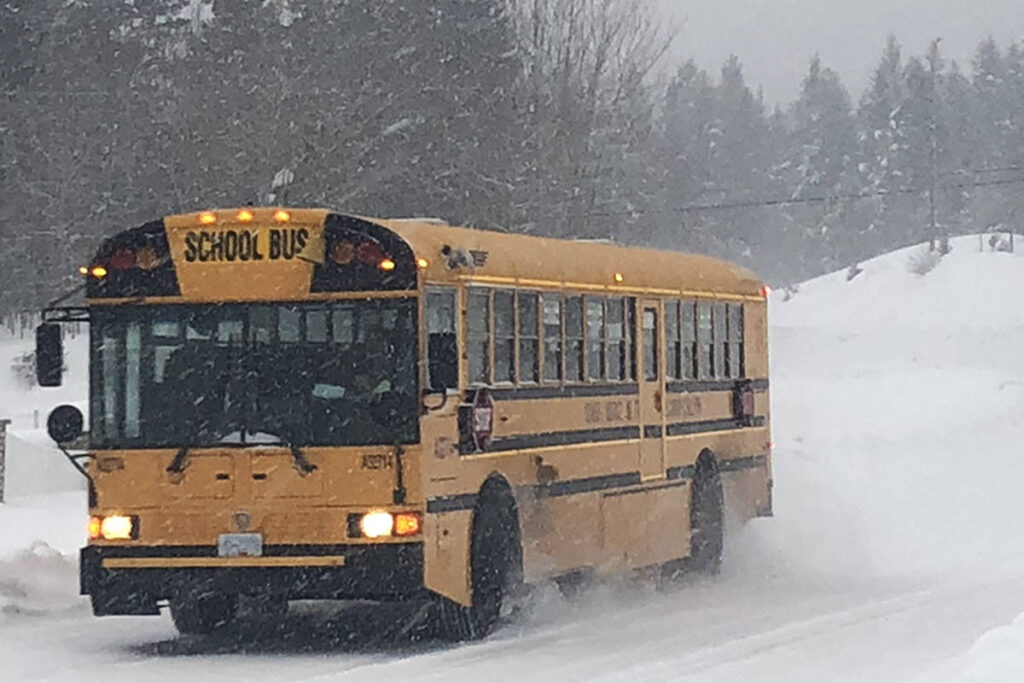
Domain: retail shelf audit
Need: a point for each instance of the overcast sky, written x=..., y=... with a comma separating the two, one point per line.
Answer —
x=776, y=38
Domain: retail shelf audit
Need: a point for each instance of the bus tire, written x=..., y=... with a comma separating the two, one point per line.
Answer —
x=495, y=567
x=203, y=613
x=707, y=517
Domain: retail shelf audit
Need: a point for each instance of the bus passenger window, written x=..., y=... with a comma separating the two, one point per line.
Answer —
x=650, y=321
x=261, y=324
x=343, y=326
x=574, y=339
x=721, y=341
x=617, y=340
x=529, y=333
x=672, y=345
x=704, y=340
x=736, y=369
x=316, y=326
x=595, y=339
x=552, y=338
x=442, y=349
x=504, y=336
x=688, y=331
x=478, y=327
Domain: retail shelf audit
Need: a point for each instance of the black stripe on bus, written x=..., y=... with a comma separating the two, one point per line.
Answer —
x=701, y=385
x=466, y=501
x=518, y=442
x=460, y=501
x=588, y=485
x=686, y=428
x=568, y=391
x=737, y=464
x=683, y=472
x=646, y=489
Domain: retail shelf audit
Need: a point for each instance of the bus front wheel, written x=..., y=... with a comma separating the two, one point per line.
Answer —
x=495, y=569
x=203, y=613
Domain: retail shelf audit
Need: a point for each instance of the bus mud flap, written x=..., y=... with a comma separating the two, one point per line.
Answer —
x=446, y=555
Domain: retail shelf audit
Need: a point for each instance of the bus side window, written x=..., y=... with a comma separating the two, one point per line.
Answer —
x=552, y=314
x=478, y=335
x=504, y=336
x=689, y=340
x=736, y=369
x=721, y=341
x=529, y=336
x=442, y=347
x=704, y=340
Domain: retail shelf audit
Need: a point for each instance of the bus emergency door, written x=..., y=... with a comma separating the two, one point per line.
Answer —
x=652, y=391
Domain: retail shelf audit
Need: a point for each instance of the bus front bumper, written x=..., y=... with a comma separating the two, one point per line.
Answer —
x=131, y=580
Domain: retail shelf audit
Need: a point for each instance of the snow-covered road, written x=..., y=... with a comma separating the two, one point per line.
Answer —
x=899, y=410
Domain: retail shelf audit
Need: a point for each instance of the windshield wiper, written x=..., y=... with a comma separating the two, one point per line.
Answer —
x=303, y=465
x=180, y=461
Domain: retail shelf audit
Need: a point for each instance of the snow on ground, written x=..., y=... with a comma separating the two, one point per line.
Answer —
x=894, y=555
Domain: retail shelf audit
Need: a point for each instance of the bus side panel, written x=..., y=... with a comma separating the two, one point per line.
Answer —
x=755, y=333
x=746, y=494
x=645, y=528
x=446, y=555
x=559, y=535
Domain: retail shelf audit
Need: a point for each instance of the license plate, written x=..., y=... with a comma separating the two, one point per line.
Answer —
x=240, y=545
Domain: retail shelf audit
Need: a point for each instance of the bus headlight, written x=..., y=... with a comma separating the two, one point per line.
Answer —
x=376, y=524
x=114, y=528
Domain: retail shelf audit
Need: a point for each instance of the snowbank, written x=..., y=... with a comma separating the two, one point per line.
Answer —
x=36, y=575
x=996, y=657
x=898, y=410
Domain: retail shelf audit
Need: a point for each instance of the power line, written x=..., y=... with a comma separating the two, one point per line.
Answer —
x=793, y=201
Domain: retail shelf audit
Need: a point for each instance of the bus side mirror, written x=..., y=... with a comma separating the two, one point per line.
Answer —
x=49, y=355
x=65, y=424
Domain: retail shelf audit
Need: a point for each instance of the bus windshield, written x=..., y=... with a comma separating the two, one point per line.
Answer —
x=316, y=374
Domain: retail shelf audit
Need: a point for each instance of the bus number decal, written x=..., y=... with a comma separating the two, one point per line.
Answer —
x=629, y=410
x=612, y=411
x=378, y=461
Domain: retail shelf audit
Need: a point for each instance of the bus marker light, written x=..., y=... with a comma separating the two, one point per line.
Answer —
x=117, y=527
x=343, y=253
x=377, y=524
x=282, y=216
x=83, y=270
x=387, y=264
x=369, y=253
x=244, y=216
x=618, y=277
x=766, y=291
x=122, y=259
x=422, y=263
x=407, y=524
x=95, y=523
x=146, y=258
x=207, y=218
x=99, y=272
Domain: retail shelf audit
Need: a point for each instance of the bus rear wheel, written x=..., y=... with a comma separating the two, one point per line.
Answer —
x=707, y=519
x=203, y=613
x=495, y=570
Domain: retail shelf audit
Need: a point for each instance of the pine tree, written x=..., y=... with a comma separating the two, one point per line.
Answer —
x=884, y=150
x=821, y=159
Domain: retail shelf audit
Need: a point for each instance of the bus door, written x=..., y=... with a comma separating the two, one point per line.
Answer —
x=652, y=391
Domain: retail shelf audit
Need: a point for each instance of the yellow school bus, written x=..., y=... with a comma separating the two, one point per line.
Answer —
x=300, y=404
